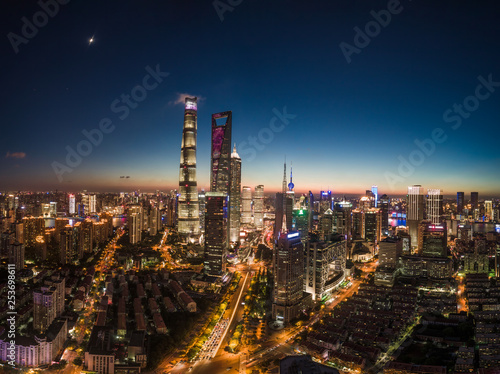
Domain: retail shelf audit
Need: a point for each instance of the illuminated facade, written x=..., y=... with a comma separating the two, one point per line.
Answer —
x=258, y=211
x=325, y=201
x=201, y=203
x=135, y=224
x=375, y=195
x=434, y=206
x=235, y=197
x=324, y=267
x=215, y=233
x=433, y=240
x=188, y=209
x=33, y=227
x=72, y=204
x=288, y=262
x=488, y=209
x=92, y=204
x=383, y=204
x=342, y=220
x=220, y=169
x=414, y=211
x=220, y=176
x=246, y=205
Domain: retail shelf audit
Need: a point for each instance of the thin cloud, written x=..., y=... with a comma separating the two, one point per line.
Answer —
x=181, y=98
x=15, y=155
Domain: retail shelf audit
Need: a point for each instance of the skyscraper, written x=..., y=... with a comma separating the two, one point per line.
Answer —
x=135, y=223
x=474, y=202
x=288, y=260
x=246, y=205
x=235, y=197
x=215, y=233
x=324, y=266
x=72, y=204
x=384, y=207
x=86, y=240
x=16, y=255
x=325, y=201
x=44, y=308
x=68, y=251
x=375, y=194
x=433, y=240
x=414, y=211
x=92, y=204
x=488, y=209
x=259, y=207
x=201, y=203
x=460, y=202
x=188, y=209
x=435, y=206
x=220, y=176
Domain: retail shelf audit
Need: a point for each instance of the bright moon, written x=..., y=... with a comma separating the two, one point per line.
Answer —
x=91, y=40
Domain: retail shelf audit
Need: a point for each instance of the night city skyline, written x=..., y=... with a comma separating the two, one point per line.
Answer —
x=250, y=187
x=351, y=121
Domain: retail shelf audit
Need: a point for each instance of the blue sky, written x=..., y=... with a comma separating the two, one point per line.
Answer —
x=352, y=120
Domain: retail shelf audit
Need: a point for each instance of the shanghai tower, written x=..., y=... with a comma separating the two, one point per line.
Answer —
x=188, y=218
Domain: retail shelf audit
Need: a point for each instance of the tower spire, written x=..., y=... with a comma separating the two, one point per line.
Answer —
x=284, y=177
x=290, y=185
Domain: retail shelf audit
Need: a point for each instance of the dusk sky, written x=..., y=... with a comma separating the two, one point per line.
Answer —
x=349, y=123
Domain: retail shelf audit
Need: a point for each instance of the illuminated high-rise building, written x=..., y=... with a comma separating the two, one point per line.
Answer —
x=258, y=211
x=383, y=204
x=488, y=209
x=246, y=205
x=68, y=250
x=372, y=225
x=220, y=176
x=172, y=208
x=288, y=263
x=135, y=224
x=414, y=211
x=460, y=202
x=85, y=204
x=33, y=227
x=375, y=195
x=188, y=209
x=432, y=240
x=342, y=220
x=44, y=308
x=220, y=160
x=326, y=224
x=215, y=233
x=434, y=206
x=324, y=266
x=86, y=240
x=325, y=201
x=72, y=204
x=235, y=197
x=92, y=204
x=201, y=203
